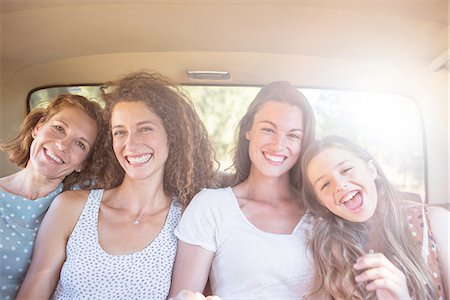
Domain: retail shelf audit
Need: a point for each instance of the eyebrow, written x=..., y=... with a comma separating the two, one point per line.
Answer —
x=339, y=164
x=274, y=125
x=138, y=124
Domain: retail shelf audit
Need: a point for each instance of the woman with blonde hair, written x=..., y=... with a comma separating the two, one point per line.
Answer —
x=367, y=244
x=55, y=146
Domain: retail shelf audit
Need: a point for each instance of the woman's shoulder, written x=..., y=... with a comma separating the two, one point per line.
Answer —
x=72, y=199
x=418, y=209
x=212, y=199
x=214, y=196
x=73, y=195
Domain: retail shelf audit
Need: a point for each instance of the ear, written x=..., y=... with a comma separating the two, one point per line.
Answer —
x=372, y=169
x=80, y=167
x=37, y=127
x=247, y=135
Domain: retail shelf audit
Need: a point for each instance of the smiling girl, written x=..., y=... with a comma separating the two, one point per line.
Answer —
x=367, y=243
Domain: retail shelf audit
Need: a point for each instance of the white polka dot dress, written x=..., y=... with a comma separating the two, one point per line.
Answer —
x=20, y=219
x=91, y=273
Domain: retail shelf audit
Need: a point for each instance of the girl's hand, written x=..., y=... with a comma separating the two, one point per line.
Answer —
x=382, y=276
x=188, y=295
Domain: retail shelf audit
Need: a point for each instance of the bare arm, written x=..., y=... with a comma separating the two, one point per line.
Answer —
x=50, y=248
x=440, y=226
x=191, y=269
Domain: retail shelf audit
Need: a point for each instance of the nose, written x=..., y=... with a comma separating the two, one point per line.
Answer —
x=278, y=141
x=133, y=141
x=62, y=144
x=341, y=183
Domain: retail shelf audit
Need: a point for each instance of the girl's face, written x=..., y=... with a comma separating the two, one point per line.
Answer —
x=344, y=183
x=275, y=139
x=139, y=140
x=62, y=143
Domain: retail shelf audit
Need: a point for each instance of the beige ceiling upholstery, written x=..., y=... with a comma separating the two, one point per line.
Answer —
x=382, y=32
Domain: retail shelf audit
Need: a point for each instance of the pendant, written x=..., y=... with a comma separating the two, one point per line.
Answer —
x=135, y=222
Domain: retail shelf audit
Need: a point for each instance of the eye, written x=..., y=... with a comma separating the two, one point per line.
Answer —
x=58, y=128
x=346, y=170
x=145, y=129
x=267, y=129
x=295, y=136
x=324, y=185
x=119, y=133
x=81, y=145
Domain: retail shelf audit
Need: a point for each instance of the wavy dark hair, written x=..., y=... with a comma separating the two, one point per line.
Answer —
x=190, y=165
x=18, y=148
x=336, y=243
x=277, y=91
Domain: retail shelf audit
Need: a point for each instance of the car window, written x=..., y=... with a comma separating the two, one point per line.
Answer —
x=389, y=126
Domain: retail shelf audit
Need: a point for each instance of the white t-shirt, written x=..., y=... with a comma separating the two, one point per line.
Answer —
x=248, y=263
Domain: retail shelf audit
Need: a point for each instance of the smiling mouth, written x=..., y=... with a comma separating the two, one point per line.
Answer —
x=353, y=200
x=137, y=160
x=53, y=156
x=275, y=158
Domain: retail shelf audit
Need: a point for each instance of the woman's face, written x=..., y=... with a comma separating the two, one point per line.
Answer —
x=344, y=183
x=139, y=140
x=275, y=139
x=62, y=143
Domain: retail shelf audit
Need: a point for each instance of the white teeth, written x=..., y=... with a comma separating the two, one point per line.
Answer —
x=140, y=159
x=54, y=157
x=349, y=196
x=276, y=159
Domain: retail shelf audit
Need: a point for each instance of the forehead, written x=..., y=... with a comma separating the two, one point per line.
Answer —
x=280, y=112
x=71, y=113
x=133, y=111
x=78, y=120
x=328, y=159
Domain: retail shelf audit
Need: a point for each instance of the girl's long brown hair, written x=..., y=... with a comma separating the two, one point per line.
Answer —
x=336, y=243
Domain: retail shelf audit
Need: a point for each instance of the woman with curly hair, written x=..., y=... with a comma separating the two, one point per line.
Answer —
x=55, y=147
x=367, y=244
x=118, y=243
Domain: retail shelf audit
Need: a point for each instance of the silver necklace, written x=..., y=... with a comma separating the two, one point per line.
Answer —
x=137, y=220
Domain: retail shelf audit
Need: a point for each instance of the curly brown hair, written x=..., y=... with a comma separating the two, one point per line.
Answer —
x=18, y=148
x=190, y=165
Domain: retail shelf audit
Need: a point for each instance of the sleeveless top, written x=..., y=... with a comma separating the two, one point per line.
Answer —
x=418, y=221
x=91, y=273
x=20, y=219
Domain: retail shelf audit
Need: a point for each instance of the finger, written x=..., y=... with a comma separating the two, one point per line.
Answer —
x=380, y=273
x=375, y=260
x=400, y=291
x=372, y=274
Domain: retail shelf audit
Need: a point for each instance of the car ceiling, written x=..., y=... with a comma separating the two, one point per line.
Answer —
x=36, y=32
